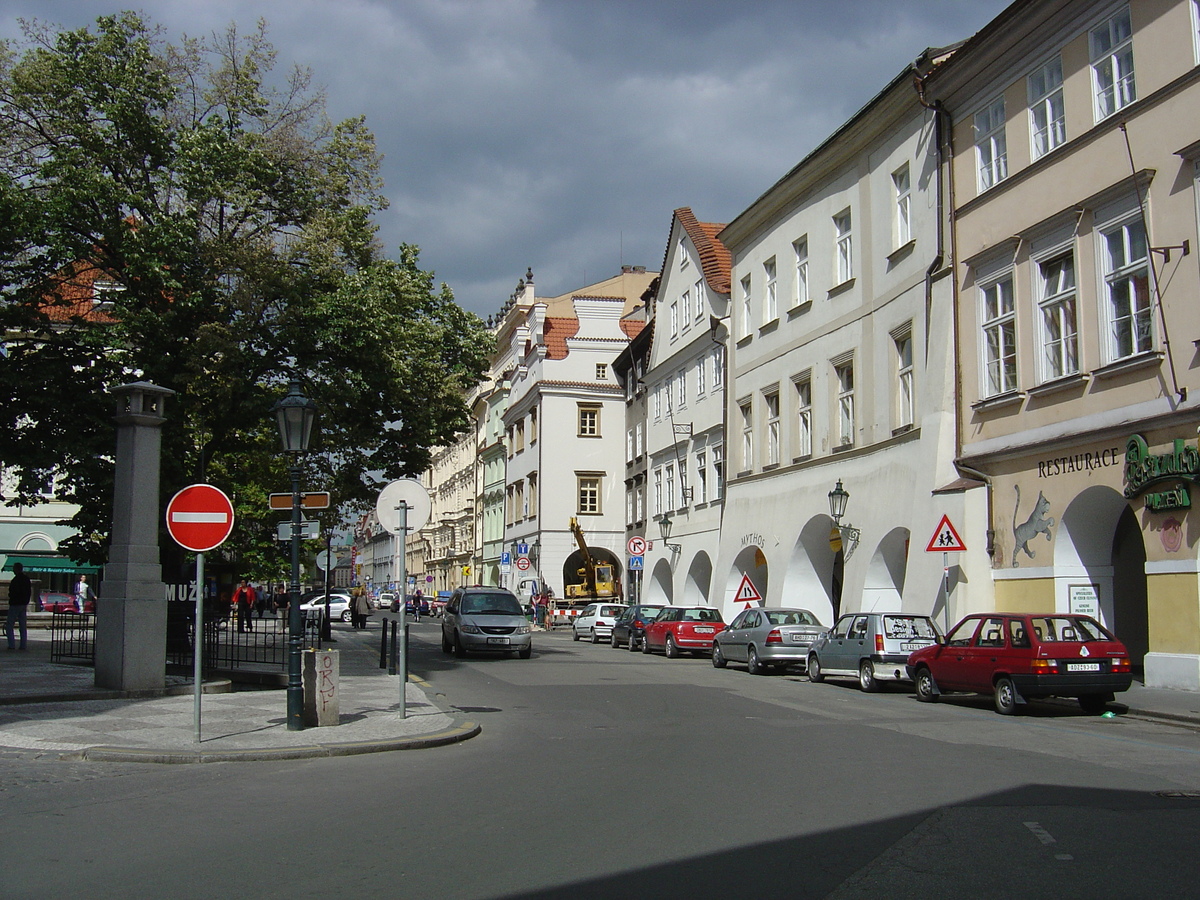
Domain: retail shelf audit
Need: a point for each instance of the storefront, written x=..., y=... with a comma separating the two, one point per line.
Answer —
x=53, y=573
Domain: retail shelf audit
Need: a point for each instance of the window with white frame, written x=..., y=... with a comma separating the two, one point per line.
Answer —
x=800, y=253
x=718, y=369
x=637, y=440
x=681, y=383
x=770, y=298
x=902, y=191
x=1127, y=282
x=718, y=463
x=701, y=381
x=658, y=411
x=844, y=373
x=601, y=371
x=771, y=408
x=588, y=491
x=844, y=241
x=701, y=485
x=669, y=394
x=698, y=298
x=1047, y=112
x=674, y=318
x=1196, y=29
x=999, y=337
x=991, y=150
x=533, y=495
x=533, y=426
x=669, y=486
x=1112, y=65
x=904, y=379
x=747, y=306
x=639, y=501
x=684, y=259
x=685, y=307
x=629, y=495
x=747, y=415
x=630, y=454
x=589, y=421
x=658, y=491
x=804, y=416
x=1056, y=306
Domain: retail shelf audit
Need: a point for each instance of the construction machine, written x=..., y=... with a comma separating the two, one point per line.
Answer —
x=597, y=580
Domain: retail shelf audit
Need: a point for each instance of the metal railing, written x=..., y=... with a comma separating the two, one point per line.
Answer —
x=73, y=636
x=260, y=643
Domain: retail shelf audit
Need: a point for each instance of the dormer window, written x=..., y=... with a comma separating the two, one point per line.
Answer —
x=104, y=293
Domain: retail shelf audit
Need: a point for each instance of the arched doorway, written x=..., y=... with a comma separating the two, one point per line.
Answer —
x=750, y=566
x=573, y=567
x=698, y=581
x=808, y=582
x=657, y=588
x=884, y=585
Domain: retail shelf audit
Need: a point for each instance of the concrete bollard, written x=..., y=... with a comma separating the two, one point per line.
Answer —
x=321, y=702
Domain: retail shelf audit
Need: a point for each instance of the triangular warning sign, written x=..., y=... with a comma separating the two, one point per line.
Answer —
x=945, y=539
x=747, y=593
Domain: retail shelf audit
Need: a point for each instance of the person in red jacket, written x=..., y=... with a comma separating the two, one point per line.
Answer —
x=243, y=601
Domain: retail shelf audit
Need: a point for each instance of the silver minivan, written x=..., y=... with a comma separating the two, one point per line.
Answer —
x=872, y=646
x=487, y=619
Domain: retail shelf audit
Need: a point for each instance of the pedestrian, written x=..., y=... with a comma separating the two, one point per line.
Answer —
x=279, y=601
x=20, y=590
x=83, y=593
x=542, y=604
x=362, y=609
x=243, y=601
x=260, y=603
x=417, y=605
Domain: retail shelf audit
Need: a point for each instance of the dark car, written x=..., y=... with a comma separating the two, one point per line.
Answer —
x=1017, y=657
x=630, y=626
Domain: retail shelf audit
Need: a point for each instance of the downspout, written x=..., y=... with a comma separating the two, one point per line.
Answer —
x=943, y=129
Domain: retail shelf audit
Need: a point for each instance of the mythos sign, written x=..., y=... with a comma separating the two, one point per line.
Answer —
x=1144, y=471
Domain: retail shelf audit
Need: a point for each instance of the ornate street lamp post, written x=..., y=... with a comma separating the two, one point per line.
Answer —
x=294, y=415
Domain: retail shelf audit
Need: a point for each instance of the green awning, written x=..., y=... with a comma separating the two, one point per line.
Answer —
x=48, y=564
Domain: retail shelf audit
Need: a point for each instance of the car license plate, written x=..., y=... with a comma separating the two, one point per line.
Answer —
x=1083, y=667
x=801, y=639
x=914, y=645
x=703, y=630
x=497, y=640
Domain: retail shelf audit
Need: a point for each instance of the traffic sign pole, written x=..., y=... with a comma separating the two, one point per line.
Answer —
x=198, y=646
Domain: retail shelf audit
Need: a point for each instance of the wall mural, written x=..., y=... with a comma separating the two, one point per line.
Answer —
x=1037, y=523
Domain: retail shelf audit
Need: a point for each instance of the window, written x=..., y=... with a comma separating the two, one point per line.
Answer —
x=701, y=385
x=1112, y=65
x=770, y=299
x=522, y=504
x=718, y=455
x=900, y=185
x=845, y=382
x=601, y=371
x=747, y=415
x=698, y=296
x=589, y=421
x=1046, y=110
x=681, y=381
x=639, y=503
x=717, y=369
x=999, y=338
x=589, y=494
x=533, y=426
x=684, y=259
x=630, y=453
x=746, y=306
x=1128, y=286
x=845, y=246
x=669, y=486
x=990, y=146
x=533, y=489
x=669, y=393
x=771, y=402
x=104, y=293
x=904, y=380
x=674, y=318
x=520, y=432
x=800, y=251
x=657, y=402
x=1057, y=306
x=637, y=440
x=804, y=417
x=658, y=491
x=701, y=476
x=685, y=306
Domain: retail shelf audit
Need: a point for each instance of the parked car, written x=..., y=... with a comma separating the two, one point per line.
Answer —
x=1021, y=657
x=629, y=627
x=873, y=646
x=385, y=600
x=680, y=628
x=54, y=601
x=766, y=638
x=485, y=618
x=596, y=621
x=339, y=604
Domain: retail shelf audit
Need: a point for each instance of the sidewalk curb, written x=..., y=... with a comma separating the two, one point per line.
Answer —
x=463, y=730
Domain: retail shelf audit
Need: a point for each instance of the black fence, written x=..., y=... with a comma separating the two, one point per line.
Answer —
x=73, y=636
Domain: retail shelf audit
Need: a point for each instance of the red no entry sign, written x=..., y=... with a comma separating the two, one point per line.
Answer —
x=200, y=517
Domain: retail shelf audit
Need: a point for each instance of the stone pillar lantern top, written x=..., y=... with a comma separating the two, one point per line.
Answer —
x=141, y=403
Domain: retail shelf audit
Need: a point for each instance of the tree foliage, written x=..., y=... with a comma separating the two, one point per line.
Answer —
x=231, y=223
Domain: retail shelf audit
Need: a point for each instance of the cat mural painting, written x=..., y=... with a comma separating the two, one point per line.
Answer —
x=946, y=540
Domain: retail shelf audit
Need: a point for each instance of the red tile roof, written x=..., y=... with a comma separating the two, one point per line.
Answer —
x=555, y=333
x=632, y=327
x=715, y=260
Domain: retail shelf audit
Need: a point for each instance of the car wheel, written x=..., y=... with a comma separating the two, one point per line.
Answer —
x=459, y=650
x=632, y=645
x=574, y=633
x=645, y=644
x=345, y=615
x=718, y=658
x=753, y=665
x=815, y=674
x=671, y=651
x=926, y=688
x=525, y=652
x=866, y=676
x=1093, y=704
x=595, y=637
x=612, y=640
x=1006, y=697
x=447, y=647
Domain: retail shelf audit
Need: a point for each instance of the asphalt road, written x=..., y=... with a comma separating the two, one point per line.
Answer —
x=606, y=774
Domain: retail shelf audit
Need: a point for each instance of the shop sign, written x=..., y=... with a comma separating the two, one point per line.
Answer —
x=1144, y=470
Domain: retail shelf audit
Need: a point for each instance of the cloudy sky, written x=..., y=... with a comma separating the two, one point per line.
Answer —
x=561, y=134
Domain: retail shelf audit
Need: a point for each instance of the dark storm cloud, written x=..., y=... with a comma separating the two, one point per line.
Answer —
x=561, y=135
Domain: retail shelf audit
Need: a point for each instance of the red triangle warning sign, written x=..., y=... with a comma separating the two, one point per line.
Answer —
x=747, y=593
x=945, y=539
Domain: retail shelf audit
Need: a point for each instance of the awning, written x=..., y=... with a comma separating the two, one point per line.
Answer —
x=49, y=564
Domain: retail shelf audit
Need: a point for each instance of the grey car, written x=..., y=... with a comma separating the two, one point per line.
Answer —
x=767, y=638
x=871, y=646
x=485, y=619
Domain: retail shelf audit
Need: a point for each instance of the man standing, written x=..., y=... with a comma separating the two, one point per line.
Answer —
x=20, y=589
x=243, y=602
x=83, y=593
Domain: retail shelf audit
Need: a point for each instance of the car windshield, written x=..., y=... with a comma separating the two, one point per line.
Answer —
x=491, y=605
x=701, y=615
x=907, y=628
x=791, y=617
x=1068, y=629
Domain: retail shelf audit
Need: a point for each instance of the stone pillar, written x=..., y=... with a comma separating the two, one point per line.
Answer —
x=131, y=613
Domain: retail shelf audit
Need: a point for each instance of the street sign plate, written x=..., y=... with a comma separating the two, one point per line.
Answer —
x=308, y=531
x=945, y=539
x=747, y=592
x=523, y=563
x=200, y=517
x=310, y=500
x=415, y=498
x=636, y=545
x=636, y=563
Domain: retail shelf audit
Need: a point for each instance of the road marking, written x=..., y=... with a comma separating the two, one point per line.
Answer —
x=1040, y=833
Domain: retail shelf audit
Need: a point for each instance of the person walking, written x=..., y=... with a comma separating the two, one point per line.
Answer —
x=20, y=590
x=417, y=605
x=83, y=593
x=243, y=602
x=362, y=609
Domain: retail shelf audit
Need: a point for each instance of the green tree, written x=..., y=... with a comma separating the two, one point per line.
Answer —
x=229, y=223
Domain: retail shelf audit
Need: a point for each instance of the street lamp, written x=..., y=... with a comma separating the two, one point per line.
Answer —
x=294, y=416
x=838, y=498
x=664, y=528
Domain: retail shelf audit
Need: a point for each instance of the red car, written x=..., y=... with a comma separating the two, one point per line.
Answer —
x=1018, y=657
x=679, y=628
x=56, y=602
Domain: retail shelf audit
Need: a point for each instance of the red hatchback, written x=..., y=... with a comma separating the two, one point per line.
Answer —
x=679, y=628
x=1018, y=657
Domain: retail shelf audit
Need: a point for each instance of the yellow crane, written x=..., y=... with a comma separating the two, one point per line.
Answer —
x=597, y=580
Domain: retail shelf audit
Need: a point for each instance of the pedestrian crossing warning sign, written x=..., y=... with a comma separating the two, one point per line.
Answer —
x=747, y=593
x=945, y=539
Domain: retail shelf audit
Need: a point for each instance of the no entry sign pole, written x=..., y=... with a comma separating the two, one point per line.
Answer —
x=199, y=518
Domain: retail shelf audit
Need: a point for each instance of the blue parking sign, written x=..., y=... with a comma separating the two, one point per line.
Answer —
x=505, y=558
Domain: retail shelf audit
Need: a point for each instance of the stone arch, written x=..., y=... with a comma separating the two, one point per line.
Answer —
x=36, y=540
x=698, y=581
x=574, y=562
x=808, y=581
x=750, y=562
x=886, y=570
x=657, y=588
